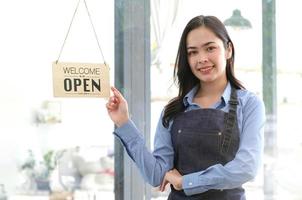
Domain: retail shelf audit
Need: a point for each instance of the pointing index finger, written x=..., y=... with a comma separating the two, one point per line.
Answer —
x=117, y=93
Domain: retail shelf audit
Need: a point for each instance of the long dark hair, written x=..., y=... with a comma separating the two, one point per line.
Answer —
x=183, y=75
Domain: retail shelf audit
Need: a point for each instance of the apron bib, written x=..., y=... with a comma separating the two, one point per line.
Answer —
x=202, y=138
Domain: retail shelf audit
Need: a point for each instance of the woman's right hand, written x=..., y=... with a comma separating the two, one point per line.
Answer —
x=117, y=108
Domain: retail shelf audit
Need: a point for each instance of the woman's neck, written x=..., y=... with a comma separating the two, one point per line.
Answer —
x=209, y=93
x=211, y=89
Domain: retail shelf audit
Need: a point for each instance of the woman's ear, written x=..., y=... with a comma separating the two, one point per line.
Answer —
x=228, y=51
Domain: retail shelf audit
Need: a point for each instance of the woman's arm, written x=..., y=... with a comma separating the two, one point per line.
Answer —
x=152, y=166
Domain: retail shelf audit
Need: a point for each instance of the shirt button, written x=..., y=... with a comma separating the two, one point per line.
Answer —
x=190, y=183
x=179, y=131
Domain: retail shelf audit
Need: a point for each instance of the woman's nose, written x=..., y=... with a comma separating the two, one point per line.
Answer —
x=202, y=59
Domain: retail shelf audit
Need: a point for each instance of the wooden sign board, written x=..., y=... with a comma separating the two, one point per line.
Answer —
x=80, y=80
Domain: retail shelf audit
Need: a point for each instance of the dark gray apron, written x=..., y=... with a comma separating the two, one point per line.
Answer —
x=202, y=138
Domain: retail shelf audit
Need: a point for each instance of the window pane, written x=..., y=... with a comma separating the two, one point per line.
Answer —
x=58, y=144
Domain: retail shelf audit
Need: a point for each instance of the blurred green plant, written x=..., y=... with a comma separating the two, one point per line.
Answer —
x=43, y=169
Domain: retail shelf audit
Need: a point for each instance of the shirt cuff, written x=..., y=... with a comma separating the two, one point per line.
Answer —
x=192, y=184
x=127, y=132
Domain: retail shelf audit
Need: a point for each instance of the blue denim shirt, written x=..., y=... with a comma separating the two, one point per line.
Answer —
x=153, y=166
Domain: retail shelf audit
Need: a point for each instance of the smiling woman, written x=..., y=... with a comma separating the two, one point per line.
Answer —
x=197, y=138
x=32, y=33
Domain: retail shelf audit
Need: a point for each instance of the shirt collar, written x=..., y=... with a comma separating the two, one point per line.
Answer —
x=188, y=99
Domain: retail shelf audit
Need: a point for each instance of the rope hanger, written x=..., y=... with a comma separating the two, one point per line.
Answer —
x=96, y=37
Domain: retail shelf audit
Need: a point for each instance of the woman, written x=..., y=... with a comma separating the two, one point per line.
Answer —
x=209, y=138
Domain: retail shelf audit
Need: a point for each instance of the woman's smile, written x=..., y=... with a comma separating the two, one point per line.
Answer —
x=206, y=69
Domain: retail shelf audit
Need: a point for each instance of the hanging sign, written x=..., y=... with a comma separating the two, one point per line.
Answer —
x=80, y=80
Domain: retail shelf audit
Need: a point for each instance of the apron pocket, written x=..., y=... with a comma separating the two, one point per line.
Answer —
x=197, y=151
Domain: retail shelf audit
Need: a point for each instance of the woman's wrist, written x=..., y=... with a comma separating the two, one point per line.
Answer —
x=180, y=183
x=122, y=122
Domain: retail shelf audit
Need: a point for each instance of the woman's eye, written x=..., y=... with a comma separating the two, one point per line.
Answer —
x=191, y=53
x=209, y=49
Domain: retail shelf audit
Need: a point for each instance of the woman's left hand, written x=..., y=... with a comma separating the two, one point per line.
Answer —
x=173, y=177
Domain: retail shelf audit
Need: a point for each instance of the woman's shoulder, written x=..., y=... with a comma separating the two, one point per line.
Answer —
x=249, y=98
x=251, y=105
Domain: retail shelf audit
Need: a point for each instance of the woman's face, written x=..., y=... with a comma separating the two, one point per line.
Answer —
x=207, y=55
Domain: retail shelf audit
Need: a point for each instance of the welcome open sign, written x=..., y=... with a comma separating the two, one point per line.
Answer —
x=80, y=80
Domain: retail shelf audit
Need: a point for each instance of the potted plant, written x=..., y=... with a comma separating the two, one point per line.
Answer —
x=44, y=169
x=38, y=172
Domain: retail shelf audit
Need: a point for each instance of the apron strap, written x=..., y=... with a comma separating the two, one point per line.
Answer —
x=230, y=122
